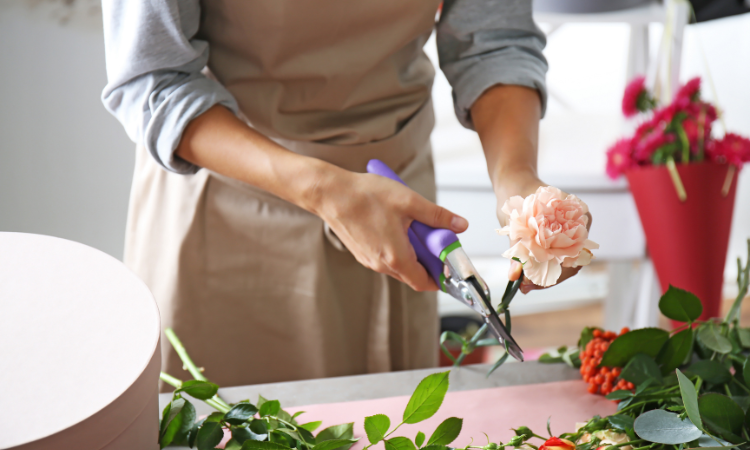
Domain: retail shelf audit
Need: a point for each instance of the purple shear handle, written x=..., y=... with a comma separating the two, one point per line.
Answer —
x=428, y=242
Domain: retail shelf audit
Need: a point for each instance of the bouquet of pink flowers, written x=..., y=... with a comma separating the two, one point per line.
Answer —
x=678, y=132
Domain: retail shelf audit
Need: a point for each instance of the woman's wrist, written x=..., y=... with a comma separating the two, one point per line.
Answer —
x=509, y=181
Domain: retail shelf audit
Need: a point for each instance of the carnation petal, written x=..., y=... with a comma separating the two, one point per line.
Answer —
x=543, y=274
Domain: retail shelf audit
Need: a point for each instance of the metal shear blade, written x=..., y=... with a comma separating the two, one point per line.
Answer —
x=484, y=307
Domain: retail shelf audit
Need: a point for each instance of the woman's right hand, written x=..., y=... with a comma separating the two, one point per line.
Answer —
x=371, y=214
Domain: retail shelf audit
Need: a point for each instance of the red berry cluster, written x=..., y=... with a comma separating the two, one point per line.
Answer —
x=601, y=380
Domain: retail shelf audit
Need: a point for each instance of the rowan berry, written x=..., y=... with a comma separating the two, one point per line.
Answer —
x=593, y=388
x=597, y=333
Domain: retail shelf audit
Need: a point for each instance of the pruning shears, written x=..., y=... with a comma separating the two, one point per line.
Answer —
x=440, y=252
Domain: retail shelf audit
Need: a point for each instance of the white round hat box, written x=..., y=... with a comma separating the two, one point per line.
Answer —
x=79, y=349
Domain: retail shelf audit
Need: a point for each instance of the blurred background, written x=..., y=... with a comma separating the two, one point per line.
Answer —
x=66, y=164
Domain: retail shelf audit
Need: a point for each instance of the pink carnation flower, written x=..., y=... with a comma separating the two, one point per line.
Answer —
x=690, y=90
x=549, y=233
x=636, y=98
x=731, y=149
x=619, y=158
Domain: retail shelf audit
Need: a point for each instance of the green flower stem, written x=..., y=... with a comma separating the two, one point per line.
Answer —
x=685, y=143
x=177, y=383
x=393, y=430
x=189, y=364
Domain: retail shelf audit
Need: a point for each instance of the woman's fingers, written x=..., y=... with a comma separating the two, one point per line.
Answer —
x=407, y=269
x=515, y=270
x=423, y=210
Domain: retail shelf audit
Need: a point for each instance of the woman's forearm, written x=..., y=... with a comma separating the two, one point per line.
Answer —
x=217, y=140
x=506, y=118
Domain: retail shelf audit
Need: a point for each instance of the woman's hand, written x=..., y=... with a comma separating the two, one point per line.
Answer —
x=506, y=118
x=371, y=214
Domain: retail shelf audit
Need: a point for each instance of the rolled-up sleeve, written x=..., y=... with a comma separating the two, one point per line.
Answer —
x=489, y=42
x=155, y=86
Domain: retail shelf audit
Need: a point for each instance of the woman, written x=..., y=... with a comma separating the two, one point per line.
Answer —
x=268, y=249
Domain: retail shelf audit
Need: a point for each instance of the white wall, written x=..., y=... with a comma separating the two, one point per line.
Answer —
x=65, y=163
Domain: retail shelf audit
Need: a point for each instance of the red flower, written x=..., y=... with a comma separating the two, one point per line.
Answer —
x=636, y=98
x=690, y=90
x=619, y=158
x=555, y=443
x=731, y=149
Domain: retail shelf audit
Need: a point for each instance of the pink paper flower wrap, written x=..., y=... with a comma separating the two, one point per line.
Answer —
x=549, y=232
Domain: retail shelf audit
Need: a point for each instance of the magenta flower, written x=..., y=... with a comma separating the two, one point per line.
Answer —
x=636, y=98
x=731, y=149
x=690, y=90
x=619, y=158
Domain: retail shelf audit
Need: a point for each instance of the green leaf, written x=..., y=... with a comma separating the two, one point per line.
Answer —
x=399, y=443
x=446, y=432
x=419, y=440
x=744, y=334
x=194, y=433
x=334, y=444
x=232, y=444
x=311, y=426
x=376, y=427
x=722, y=415
x=665, y=427
x=620, y=394
x=587, y=334
x=707, y=441
x=215, y=416
x=689, y=399
x=306, y=435
x=498, y=363
x=209, y=436
x=343, y=431
x=643, y=340
x=710, y=371
x=262, y=445
x=427, y=398
x=260, y=401
x=291, y=433
x=285, y=416
x=258, y=429
x=678, y=304
x=711, y=337
x=746, y=372
x=546, y=358
x=297, y=414
x=675, y=351
x=179, y=424
x=240, y=413
x=270, y=408
x=202, y=390
x=621, y=421
x=641, y=368
x=435, y=447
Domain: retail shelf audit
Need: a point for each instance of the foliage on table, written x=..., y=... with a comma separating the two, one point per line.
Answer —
x=266, y=426
x=691, y=385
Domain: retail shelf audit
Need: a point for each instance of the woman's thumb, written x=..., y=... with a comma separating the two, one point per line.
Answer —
x=438, y=217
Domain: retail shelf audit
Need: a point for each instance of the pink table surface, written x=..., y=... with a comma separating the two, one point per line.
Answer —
x=492, y=411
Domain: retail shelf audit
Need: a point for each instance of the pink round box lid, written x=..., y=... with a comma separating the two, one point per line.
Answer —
x=79, y=345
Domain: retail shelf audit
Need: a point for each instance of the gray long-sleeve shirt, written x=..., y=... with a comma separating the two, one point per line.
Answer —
x=154, y=61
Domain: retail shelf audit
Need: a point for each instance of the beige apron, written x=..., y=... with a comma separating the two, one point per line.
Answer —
x=258, y=289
